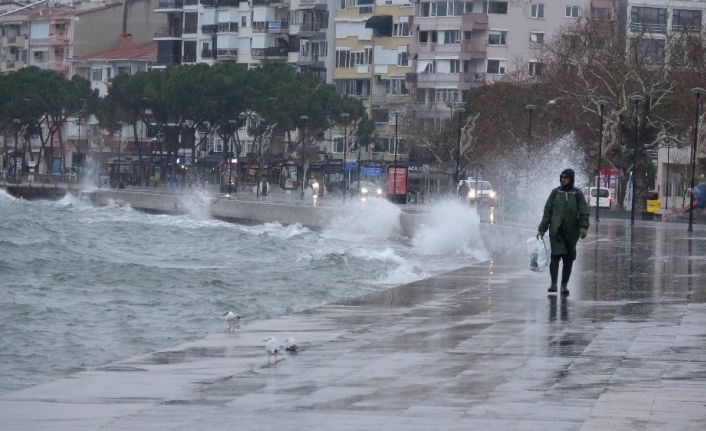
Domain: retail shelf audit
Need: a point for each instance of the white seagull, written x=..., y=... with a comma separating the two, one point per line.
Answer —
x=290, y=345
x=232, y=320
x=271, y=348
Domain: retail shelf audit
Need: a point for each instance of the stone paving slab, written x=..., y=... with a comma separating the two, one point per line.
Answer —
x=480, y=348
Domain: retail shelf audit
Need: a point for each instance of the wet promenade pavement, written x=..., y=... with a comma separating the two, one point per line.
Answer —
x=480, y=348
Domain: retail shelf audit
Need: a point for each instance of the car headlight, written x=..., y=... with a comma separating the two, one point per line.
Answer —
x=472, y=194
x=364, y=190
x=492, y=194
x=379, y=191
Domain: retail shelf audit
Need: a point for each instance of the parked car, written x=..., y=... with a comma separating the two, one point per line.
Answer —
x=367, y=188
x=606, y=198
x=477, y=191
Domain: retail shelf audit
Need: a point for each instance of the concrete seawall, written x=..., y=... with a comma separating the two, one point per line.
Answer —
x=498, y=239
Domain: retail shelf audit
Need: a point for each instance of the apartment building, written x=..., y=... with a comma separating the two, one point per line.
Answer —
x=371, y=63
x=250, y=32
x=48, y=37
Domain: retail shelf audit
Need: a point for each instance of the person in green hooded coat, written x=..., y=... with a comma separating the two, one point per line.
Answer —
x=566, y=218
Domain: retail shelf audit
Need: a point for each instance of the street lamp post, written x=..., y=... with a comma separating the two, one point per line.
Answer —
x=231, y=130
x=80, y=110
x=601, y=103
x=17, y=124
x=394, y=174
x=120, y=144
x=145, y=100
x=698, y=91
x=345, y=117
x=458, y=150
x=637, y=98
x=666, y=189
x=304, y=119
x=531, y=109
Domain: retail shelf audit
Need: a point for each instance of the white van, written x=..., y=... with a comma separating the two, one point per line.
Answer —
x=606, y=197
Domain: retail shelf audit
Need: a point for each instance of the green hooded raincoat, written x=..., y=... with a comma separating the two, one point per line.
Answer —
x=565, y=213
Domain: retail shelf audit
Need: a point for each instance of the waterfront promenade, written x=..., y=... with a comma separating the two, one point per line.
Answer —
x=480, y=348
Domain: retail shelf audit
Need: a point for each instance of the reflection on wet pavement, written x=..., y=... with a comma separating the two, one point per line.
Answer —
x=480, y=348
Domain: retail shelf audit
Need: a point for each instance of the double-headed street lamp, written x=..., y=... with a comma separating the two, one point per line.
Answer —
x=637, y=98
x=17, y=124
x=458, y=149
x=698, y=91
x=601, y=104
x=345, y=117
x=304, y=119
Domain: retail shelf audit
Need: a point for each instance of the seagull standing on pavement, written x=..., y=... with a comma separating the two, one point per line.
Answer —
x=232, y=320
x=271, y=348
x=290, y=345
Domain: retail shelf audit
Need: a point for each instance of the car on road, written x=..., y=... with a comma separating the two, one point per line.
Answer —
x=367, y=188
x=592, y=194
x=477, y=191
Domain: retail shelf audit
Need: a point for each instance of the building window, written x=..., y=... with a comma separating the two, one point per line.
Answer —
x=535, y=68
x=537, y=37
x=537, y=10
x=649, y=19
x=402, y=59
x=571, y=12
x=651, y=50
x=686, y=20
x=499, y=7
x=601, y=14
x=452, y=37
x=496, y=38
x=455, y=66
x=396, y=86
x=96, y=74
x=243, y=21
x=447, y=95
x=496, y=67
x=400, y=29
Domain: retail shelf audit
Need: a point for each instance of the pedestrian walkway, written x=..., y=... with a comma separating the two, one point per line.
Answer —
x=480, y=348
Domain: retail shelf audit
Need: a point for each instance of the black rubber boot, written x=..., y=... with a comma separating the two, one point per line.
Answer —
x=566, y=274
x=552, y=288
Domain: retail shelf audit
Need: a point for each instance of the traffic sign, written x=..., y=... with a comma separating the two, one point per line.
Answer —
x=350, y=166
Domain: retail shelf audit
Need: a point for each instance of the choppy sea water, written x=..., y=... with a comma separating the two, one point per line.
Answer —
x=82, y=286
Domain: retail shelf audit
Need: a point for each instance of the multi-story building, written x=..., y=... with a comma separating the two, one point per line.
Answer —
x=252, y=33
x=14, y=44
x=48, y=37
x=371, y=62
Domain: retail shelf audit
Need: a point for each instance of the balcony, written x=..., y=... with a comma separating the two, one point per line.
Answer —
x=191, y=2
x=168, y=59
x=278, y=26
x=227, y=27
x=313, y=30
x=696, y=28
x=271, y=53
x=647, y=27
x=279, y=3
x=474, y=22
x=313, y=4
x=209, y=28
x=220, y=3
x=192, y=29
x=227, y=54
x=462, y=81
x=207, y=53
x=20, y=41
x=169, y=5
x=58, y=40
x=168, y=32
x=36, y=41
x=58, y=65
x=188, y=58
